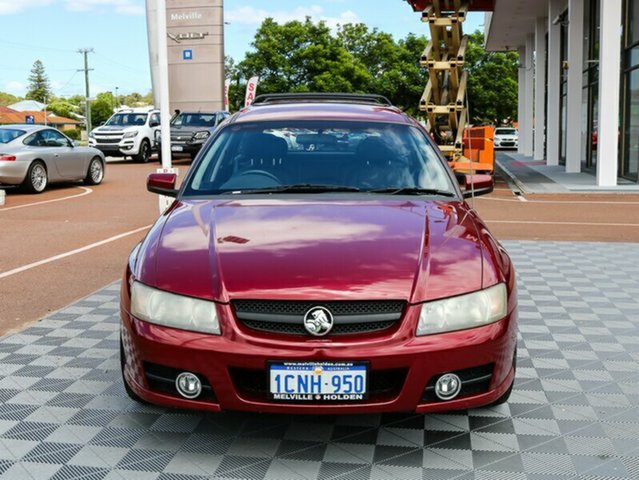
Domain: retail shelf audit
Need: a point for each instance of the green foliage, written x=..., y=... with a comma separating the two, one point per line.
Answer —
x=8, y=99
x=102, y=108
x=492, y=82
x=38, y=89
x=306, y=56
x=302, y=56
x=62, y=108
x=73, y=134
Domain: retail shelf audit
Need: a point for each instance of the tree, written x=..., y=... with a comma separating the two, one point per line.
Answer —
x=102, y=107
x=492, y=82
x=8, y=99
x=62, y=107
x=300, y=57
x=38, y=89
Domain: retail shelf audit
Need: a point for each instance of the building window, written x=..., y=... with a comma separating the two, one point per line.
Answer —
x=590, y=97
x=630, y=157
x=563, y=88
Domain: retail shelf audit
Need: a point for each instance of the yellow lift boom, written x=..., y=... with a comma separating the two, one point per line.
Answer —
x=444, y=98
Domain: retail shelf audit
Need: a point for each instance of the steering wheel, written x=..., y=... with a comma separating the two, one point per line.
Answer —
x=263, y=173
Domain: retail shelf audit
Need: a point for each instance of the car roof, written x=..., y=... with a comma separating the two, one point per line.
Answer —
x=322, y=106
x=27, y=127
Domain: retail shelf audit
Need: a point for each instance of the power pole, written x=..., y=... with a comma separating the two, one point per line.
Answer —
x=86, y=70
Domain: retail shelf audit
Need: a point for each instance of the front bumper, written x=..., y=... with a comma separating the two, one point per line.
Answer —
x=125, y=147
x=184, y=148
x=14, y=172
x=230, y=362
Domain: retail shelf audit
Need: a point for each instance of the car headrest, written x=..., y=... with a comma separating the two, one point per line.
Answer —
x=265, y=146
x=374, y=151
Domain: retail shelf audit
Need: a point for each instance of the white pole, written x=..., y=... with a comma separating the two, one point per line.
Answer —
x=609, y=68
x=163, y=64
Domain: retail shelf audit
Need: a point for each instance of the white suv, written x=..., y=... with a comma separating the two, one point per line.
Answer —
x=506, y=137
x=128, y=133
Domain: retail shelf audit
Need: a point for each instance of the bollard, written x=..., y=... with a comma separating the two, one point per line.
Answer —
x=2, y=197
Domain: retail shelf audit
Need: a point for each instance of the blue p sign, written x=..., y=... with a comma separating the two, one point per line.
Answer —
x=187, y=54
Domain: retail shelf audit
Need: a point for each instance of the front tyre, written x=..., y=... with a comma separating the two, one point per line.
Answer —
x=37, y=178
x=145, y=152
x=95, y=173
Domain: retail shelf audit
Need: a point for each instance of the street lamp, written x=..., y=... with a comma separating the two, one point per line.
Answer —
x=117, y=104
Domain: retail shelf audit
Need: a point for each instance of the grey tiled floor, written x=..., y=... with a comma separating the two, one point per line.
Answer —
x=574, y=413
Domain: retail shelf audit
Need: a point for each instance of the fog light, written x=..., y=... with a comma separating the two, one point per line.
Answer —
x=188, y=385
x=447, y=386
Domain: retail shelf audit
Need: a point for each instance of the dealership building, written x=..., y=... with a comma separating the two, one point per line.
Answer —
x=578, y=82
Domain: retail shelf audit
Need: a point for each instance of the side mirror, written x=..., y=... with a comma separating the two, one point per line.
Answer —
x=102, y=123
x=476, y=185
x=162, y=183
x=154, y=124
x=76, y=143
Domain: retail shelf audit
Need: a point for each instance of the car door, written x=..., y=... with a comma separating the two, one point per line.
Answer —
x=69, y=162
x=37, y=145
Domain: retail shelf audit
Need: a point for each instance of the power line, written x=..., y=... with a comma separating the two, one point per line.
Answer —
x=35, y=47
x=119, y=64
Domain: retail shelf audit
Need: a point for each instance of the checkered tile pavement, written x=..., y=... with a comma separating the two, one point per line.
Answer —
x=574, y=412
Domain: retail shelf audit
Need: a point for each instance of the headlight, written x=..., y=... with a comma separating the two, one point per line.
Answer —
x=130, y=134
x=171, y=310
x=201, y=135
x=91, y=135
x=466, y=311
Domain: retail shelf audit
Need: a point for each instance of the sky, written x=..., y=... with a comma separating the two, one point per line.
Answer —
x=54, y=30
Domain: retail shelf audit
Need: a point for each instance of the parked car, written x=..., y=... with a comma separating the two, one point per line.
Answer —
x=128, y=133
x=506, y=138
x=34, y=156
x=319, y=281
x=189, y=131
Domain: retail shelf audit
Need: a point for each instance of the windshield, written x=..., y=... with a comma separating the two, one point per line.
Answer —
x=336, y=156
x=505, y=131
x=127, y=119
x=194, y=120
x=9, y=134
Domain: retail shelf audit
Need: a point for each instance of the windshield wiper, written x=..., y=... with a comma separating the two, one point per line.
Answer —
x=413, y=191
x=298, y=188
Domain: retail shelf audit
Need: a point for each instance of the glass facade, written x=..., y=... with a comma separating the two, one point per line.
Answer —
x=590, y=96
x=563, y=89
x=630, y=139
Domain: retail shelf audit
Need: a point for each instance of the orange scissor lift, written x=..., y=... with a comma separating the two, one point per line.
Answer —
x=469, y=150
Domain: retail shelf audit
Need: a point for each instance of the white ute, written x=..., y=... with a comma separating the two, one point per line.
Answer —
x=128, y=133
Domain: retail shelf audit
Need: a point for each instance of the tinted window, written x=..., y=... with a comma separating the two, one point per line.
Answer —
x=53, y=138
x=9, y=134
x=505, y=131
x=194, y=120
x=351, y=154
x=127, y=119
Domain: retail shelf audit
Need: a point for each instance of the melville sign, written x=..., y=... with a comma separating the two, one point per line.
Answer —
x=176, y=17
x=195, y=53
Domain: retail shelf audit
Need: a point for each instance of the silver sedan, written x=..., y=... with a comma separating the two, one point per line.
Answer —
x=34, y=156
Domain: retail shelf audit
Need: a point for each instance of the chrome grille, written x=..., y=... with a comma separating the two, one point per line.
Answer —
x=287, y=317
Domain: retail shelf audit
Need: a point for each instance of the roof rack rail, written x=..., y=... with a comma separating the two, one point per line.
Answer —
x=361, y=98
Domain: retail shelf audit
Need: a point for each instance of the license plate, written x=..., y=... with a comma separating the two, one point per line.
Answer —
x=318, y=381
x=176, y=148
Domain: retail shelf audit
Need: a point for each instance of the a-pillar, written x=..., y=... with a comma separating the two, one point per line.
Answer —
x=529, y=96
x=609, y=68
x=574, y=84
x=553, y=111
x=540, y=89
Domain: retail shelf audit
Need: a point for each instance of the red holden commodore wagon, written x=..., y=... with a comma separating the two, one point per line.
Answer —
x=319, y=257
